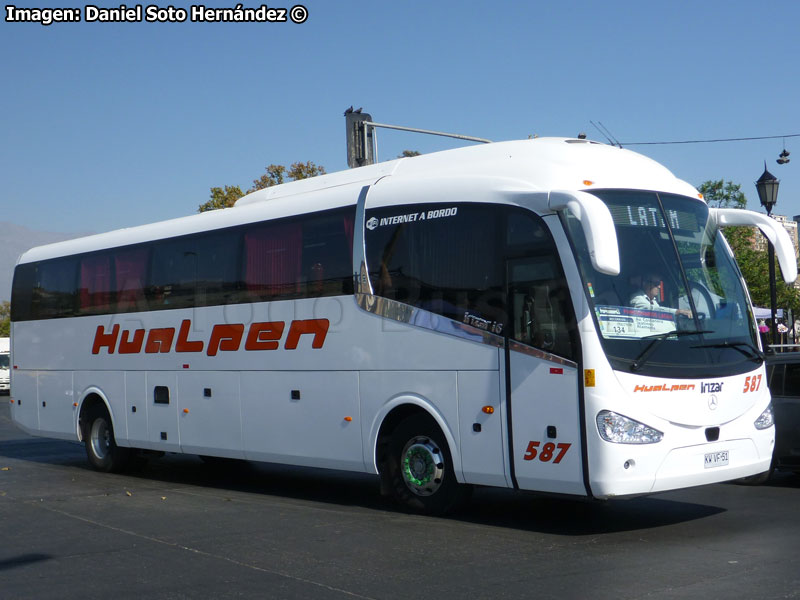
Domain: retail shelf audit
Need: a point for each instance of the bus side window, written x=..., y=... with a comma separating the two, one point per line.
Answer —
x=94, y=290
x=443, y=258
x=56, y=293
x=542, y=314
x=173, y=274
x=130, y=271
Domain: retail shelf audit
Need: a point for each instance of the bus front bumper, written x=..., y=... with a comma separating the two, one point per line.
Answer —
x=687, y=467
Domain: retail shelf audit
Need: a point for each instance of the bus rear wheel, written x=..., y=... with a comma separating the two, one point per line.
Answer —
x=101, y=448
x=420, y=468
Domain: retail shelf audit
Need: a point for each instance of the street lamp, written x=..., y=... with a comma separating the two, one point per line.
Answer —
x=767, y=187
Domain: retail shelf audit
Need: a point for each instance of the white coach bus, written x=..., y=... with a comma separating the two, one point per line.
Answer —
x=553, y=314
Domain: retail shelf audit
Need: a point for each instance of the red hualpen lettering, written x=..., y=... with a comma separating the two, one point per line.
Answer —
x=223, y=337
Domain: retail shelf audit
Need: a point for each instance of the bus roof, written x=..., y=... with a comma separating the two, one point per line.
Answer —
x=542, y=163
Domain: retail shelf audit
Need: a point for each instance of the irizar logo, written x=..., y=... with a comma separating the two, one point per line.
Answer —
x=372, y=223
x=712, y=387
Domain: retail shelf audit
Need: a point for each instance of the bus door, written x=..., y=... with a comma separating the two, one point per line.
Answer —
x=542, y=375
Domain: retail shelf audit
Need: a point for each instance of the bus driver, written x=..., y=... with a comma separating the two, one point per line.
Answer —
x=646, y=296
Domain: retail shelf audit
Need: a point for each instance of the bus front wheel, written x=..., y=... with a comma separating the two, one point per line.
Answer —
x=420, y=468
x=101, y=449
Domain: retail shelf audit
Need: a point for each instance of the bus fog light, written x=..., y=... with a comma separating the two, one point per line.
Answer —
x=622, y=430
x=766, y=419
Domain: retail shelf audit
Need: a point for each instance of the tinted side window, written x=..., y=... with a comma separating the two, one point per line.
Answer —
x=442, y=258
x=22, y=292
x=131, y=266
x=298, y=257
x=173, y=274
x=542, y=311
x=327, y=254
x=304, y=257
x=54, y=293
x=95, y=285
x=197, y=270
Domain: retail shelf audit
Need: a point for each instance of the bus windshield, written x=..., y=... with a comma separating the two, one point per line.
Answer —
x=677, y=307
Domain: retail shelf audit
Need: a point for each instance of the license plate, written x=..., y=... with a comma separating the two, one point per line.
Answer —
x=716, y=459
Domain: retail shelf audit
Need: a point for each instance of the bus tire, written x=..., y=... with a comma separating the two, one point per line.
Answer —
x=101, y=448
x=420, y=472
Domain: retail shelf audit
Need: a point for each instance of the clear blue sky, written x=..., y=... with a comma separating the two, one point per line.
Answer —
x=112, y=125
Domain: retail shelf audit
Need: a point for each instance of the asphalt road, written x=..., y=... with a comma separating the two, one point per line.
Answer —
x=180, y=529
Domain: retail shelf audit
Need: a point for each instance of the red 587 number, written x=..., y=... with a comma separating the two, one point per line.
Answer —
x=547, y=452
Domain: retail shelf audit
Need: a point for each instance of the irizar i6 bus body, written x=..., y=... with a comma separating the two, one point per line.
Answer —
x=553, y=315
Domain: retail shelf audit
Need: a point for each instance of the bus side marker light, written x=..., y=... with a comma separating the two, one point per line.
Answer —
x=556, y=371
x=74, y=405
x=588, y=182
x=348, y=419
x=185, y=366
x=588, y=377
x=186, y=411
x=488, y=410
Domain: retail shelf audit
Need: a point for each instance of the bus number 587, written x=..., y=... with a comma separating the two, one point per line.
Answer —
x=547, y=452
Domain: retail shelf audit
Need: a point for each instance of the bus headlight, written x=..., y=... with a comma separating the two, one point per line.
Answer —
x=622, y=430
x=766, y=419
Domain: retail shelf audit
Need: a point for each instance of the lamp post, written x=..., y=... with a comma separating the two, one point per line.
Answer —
x=767, y=187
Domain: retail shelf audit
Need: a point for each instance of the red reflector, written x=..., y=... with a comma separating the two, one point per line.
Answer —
x=556, y=371
x=185, y=366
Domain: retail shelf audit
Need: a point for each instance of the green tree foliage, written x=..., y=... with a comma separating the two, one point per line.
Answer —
x=278, y=174
x=723, y=194
x=274, y=175
x=5, y=319
x=222, y=198
x=409, y=153
x=754, y=264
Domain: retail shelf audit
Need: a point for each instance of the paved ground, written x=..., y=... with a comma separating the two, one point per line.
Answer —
x=180, y=529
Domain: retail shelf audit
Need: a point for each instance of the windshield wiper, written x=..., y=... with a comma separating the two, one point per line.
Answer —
x=638, y=363
x=754, y=353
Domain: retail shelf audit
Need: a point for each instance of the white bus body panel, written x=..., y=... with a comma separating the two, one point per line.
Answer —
x=309, y=429
x=676, y=461
x=366, y=364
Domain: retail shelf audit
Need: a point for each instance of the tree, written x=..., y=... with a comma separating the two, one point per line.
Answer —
x=753, y=263
x=275, y=175
x=222, y=198
x=5, y=318
x=409, y=153
x=719, y=194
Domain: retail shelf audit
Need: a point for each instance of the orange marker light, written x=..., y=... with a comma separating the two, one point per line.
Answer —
x=186, y=411
x=587, y=182
x=75, y=405
x=488, y=410
x=348, y=419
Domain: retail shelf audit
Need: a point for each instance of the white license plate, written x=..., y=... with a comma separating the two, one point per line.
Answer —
x=716, y=459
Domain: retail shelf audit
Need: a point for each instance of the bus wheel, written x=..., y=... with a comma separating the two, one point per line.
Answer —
x=101, y=449
x=420, y=469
